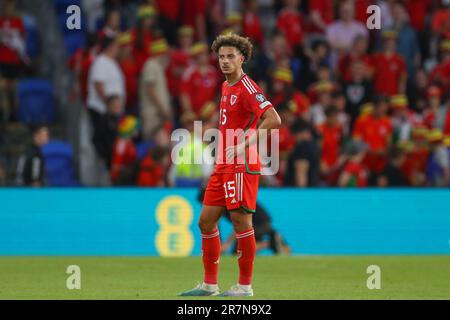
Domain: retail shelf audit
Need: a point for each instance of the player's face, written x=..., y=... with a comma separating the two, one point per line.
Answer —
x=230, y=60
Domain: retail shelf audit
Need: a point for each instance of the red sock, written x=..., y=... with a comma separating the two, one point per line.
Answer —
x=246, y=255
x=211, y=255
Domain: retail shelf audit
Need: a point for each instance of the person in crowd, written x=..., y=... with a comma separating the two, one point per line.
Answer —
x=358, y=53
x=80, y=63
x=143, y=34
x=180, y=60
x=407, y=42
x=111, y=27
x=200, y=84
x=390, y=69
x=392, y=174
x=291, y=23
x=130, y=72
x=331, y=158
x=375, y=130
x=283, y=92
x=341, y=33
x=105, y=80
x=302, y=168
x=354, y=173
x=156, y=108
x=124, y=153
x=252, y=26
x=438, y=164
x=31, y=165
x=13, y=58
x=358, y=91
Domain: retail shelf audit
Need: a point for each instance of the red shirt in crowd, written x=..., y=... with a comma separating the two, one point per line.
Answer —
x=131, y=73
x=141, y=53
x=81, y=62
x=151, y=174
x=200, y=87
x=285, y=139
x=190, y=10
x=361, y=10
x=290, y=23
x=389, y=72
x=416, y=161
x=179, y=62
x=358, y=174
x=10, y=28
x=441, y=23
x=441, y=74
x=124, y=155
x=376, y=132
x=417, y=10
x=325, y=10
x=299, y=103
x=331, y=140
x=170, y=9
x=252, y=27
x=346, y=61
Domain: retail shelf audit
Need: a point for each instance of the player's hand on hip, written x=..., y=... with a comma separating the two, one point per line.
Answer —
x=234, y=151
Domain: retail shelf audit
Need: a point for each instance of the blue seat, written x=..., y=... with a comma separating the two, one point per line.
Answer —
x=36, y=104
x=188, y=183
x=74, y=41
x=59, y=167
x=32, y=36
x=143, y=147
x=62, y=5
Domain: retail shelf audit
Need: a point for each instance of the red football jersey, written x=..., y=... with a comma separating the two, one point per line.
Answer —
x=10, y=29
x=389, y=71
x=201, y=87
x=241, y=106
x=291, y=25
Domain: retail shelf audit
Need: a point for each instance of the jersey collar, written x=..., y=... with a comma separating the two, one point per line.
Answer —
x=232, y=84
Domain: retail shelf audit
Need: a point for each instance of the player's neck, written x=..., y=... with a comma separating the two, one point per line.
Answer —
x=234, y=77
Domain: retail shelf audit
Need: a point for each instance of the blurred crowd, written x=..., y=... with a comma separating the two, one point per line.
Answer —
x=359, y=107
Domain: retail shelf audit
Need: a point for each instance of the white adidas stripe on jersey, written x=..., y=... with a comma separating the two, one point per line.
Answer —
x=249, y=85
x=246, y=86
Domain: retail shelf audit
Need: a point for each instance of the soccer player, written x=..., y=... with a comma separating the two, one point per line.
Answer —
x=234, y=183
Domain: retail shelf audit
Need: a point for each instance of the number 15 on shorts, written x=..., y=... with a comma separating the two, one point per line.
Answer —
x=230, y=189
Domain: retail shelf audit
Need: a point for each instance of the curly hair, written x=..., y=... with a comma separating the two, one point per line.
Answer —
x=244, y=45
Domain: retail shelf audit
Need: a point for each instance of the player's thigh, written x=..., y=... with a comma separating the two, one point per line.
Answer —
x=209, y=217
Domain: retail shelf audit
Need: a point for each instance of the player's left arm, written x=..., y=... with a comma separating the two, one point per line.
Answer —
x=257, y=104
x=270, y=120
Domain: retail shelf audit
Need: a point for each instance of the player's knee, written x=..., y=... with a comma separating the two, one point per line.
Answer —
x=206, y=226
x=241, y=225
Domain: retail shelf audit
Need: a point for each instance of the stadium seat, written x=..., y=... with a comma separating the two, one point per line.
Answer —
x=36, y=104
x=74, y=41
x=188, y=183
x=62, y=5
x=142, y=149
x=32, y=36
x=58, y=157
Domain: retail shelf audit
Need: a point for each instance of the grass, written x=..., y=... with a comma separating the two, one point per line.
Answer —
x=301, y=277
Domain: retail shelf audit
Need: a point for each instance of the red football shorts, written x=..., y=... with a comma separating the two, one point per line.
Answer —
x=232, y=190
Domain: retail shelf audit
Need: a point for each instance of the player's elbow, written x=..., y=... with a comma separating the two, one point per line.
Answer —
x=275, y=121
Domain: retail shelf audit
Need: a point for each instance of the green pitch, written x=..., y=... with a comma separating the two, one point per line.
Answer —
x=303, y=277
